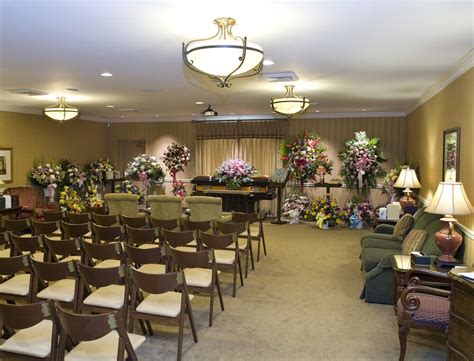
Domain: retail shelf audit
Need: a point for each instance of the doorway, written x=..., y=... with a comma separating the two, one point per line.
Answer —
x=129, y=149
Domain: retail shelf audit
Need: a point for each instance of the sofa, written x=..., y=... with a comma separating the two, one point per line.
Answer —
x=377, y=249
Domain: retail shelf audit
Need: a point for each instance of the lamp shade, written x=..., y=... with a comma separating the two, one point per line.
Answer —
x=61, y=111
x=407, y=179
x=450, y=198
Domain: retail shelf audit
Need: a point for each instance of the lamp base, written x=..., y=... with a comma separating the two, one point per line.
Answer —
x=448, y=241
x=446, y=264
x=407, y=200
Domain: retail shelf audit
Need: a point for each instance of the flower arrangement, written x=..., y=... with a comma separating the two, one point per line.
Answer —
x=358, y=212
x=175, y=158
x=294, y=206
x=74, y=174
x=234, y=172
x=324, y=210
x=70, y=201
x=389, y=180
x=304, y=156
x=145, y=168
x=451, y=153
x=361, y=161
x=179, y=189
x=96, y=170
x=93, y=197
x=47, y=176
x=127, y=186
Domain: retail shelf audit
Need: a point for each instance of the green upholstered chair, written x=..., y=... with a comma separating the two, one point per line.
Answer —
x=377, y=251
x=123, y=204
x=204, y=208
x=165, y=207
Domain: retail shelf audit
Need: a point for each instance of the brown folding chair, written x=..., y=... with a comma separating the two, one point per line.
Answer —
x=78, y=218
x=201, y=274
x=51, y=229
x=105, y=219
x=77, y=230
x=36, y=332
x=64, y=250
x=161, y=224
x=103, y=255
x=135, y=222
x=107, y=234
x=204, y=226
x=167, y=301
x=252, y=218
x=103, y=289
x=105, y=336
x=185, y=241
x=32, y=246
x=52, y=216
x=147, y=260
x=226, y=259
x=7, y=250
x=19, y=280
x=96, y=210
x=18, y=226
x=59, y=282
x=142, y=237
x=245, y=246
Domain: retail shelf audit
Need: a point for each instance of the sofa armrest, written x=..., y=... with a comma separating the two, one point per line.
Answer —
x=386, y=243
x=384, y=228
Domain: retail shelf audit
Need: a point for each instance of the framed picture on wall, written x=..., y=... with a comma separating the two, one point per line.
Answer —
x=451, y=154
x=6, y=174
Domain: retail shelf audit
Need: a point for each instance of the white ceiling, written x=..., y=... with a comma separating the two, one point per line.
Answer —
x=350, y=55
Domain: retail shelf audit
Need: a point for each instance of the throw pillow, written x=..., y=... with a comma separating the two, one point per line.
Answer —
x=414, y=241
x=403, y=226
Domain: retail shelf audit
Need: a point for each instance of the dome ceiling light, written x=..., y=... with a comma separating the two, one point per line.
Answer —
x=289, y=104
x=224, y=56
x=61, y=112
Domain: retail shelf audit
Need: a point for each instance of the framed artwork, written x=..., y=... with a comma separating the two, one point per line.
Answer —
x=6, y=173
x=451, y=154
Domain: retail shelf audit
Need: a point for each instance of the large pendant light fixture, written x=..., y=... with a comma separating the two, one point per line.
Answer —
x=289, y=104
x=224, y=56
x=61, y=112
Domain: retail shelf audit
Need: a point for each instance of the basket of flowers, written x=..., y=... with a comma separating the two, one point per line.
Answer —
x=325, y=212
x=93, y=197
x=358, y=213
x=294, y=206
x=69, y=201
x=234, y=172
x=74, y=174
x=98, y=169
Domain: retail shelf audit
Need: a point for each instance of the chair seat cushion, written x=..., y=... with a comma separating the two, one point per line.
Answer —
x=198, y=277
x=62, y=290
x=433, y=311
x=18, y=285
x=32, y=341
x=38, y=256
x=372, y=256
x=5, y=252
x=224, y=257
x=165, y=304
x=55, y=237
x=185, y=249
x=109, y=296
x=108, y=263
x=153, y=268
x=102, y=349
x=149, y=245
x=71, y=258
x=242, y=244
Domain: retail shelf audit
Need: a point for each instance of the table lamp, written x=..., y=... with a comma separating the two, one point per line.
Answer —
x=407, y=179
x=450, y=199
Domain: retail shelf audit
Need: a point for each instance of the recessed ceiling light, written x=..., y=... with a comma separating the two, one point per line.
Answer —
x=317, y=111
x=268, y=62
x=199, y=103
x=157, y=115
x=364, y=110
x=110, y=106
x=232, y=113
x=106, y=74
x=72, y=89
x=122, y=116
x=193, y=114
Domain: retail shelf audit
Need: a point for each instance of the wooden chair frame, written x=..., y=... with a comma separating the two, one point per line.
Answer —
x=106, y=220
x=251, y=218
x=78, y=218
x=31, y=244
x=10, y=266
x=107, y=234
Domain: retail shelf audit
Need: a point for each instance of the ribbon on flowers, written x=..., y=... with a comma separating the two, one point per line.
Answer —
x=320, y=218
x=360, y=179
x=354, y=219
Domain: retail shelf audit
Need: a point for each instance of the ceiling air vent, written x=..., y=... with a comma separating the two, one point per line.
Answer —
x=127, y=110
x=280, y=76
x=29, y=92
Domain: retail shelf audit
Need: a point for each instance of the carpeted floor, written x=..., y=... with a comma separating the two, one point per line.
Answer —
x=301, y=303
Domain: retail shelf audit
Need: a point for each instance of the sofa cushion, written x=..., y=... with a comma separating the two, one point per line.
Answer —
x=403, y=226
x=372, y=256
x=414, y=241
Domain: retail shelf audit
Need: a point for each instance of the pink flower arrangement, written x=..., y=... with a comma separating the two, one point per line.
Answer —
x=175, y=158
x=179, y=189
x=234, y=172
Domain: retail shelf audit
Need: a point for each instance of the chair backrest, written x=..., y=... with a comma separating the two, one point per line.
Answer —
x=204, y=208
x=179, y=238
x=135, y=222
x=169, y=224
x=141, y=235
x=51, y=216
x=239, y=217
x=96, y=210
x=17, y=226
x=231, y=227
x=199, y=259
x=105, y=219
x=197, y=225
x=54, y=271
x=122, y=204
x=11, y=265
x=141, y=256
x=78, y=218
x=165, y=207
x=101, y=277
x=157, y=283
x=64, y=247
x=112, y=250
x=45, y=228
x=27, y=244
x=218, y=241
x=107, y=233
x=73, y=230
x=83, y=327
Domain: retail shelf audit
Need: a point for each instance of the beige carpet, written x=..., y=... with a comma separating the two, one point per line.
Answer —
x=301, y=303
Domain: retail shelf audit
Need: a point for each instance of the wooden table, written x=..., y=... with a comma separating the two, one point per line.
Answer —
x=461, y=320
x=11, y=210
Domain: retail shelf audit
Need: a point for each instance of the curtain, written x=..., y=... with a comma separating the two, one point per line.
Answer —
x=210, y=153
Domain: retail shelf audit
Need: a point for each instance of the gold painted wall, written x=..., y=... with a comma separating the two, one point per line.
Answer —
x=35, y=137
x=451, y=107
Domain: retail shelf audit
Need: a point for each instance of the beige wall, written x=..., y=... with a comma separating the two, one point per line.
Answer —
x=452, y=107
x=34, y=137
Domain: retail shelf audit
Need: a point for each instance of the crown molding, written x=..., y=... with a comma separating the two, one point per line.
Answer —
x=462, y=66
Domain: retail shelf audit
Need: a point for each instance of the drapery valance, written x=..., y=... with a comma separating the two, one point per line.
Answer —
x=275, y=129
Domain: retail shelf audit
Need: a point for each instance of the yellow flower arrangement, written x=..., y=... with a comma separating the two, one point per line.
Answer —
x=70, y=201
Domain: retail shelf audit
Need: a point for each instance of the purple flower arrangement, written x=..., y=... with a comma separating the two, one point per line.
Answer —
x=358, y=211
x=234, y=172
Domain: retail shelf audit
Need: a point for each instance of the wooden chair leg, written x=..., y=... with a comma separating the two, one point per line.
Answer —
x=219, y=292
x=258, y=248
x=211, y=306
x=263, y=242
x=251, y=256
x=142, y=326
x=180, y=334
x=189, y=310
x=148, y=326
x=247, y=256
x=235, y=280
x=131, y=322
x=240, y=271
x=403, y=331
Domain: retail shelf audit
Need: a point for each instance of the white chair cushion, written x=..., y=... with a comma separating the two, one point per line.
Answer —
x=198, y=277
x=149, y=245
x=165, y=304
x=26, y=235
x=224, y=257
x=185, y=249
x=153, y=268
x=55, y=237
x=102, y=349
x=38, y=256
x=109, y=296
x=62, y=290
x=242, y=244
x=32, y=341
x=5, y=252
x=18, y=285
x=71, y=258
x=108, y=263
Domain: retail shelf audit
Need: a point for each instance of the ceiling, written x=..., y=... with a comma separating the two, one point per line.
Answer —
x=350, y=56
